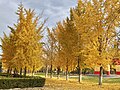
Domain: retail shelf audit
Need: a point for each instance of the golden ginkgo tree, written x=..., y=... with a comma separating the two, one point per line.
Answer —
x=98, y=19
x=25, y=37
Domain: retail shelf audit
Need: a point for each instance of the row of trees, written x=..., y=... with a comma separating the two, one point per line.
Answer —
x=85, y=39
x=22, y=49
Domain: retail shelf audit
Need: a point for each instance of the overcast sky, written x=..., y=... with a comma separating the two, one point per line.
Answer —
x=55, y=10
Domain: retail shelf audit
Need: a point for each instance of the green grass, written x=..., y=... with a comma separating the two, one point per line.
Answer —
x=111, y=80
x=92, y=79
x=40, y=74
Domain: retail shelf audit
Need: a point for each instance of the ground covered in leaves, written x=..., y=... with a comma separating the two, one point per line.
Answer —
x=55, y=84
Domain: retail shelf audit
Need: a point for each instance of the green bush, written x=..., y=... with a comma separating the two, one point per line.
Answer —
x=8, y=83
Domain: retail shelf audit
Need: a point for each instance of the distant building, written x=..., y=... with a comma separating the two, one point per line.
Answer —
x=116, y=66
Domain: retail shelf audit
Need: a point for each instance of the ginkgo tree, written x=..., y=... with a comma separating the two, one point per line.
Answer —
x=98, y=19
x=57, y=58
x=66, y=39
x=7, y=47
x=51, y=51
x=25, y=38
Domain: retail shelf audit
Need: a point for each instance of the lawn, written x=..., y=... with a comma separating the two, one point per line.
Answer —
x=91, y=79
x=54, y=84
x=89, y=83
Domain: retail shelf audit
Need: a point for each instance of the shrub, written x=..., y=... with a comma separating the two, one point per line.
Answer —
x=8, y=83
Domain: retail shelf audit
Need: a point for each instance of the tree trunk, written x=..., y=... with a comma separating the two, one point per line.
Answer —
x=79, y=75
x=46, y=71
x=15, y=72
x=79, y=71
x=51, y=73
x=20, y=72
x=101, y=75
x=58, y=72
x=33, y=70
x=1, y=67
x=67, y=72
x=25, y=69
x=8, y=70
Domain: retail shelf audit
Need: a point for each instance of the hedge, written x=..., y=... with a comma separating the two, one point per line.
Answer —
x=9, y=83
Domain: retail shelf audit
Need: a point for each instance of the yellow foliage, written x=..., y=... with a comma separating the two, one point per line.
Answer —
x=24, y=48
